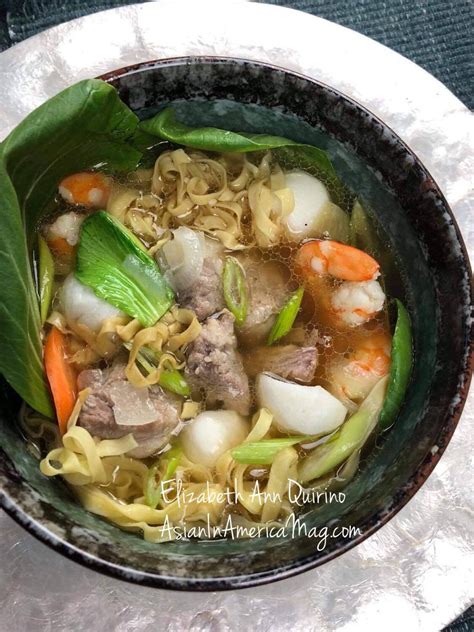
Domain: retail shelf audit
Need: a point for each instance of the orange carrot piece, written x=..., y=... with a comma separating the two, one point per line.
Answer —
x=86, y=188
x=61, y=376
x=61, y=247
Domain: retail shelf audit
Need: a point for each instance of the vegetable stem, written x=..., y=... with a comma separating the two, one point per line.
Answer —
x=264, y=451
x=350, y=437
x=46, y=278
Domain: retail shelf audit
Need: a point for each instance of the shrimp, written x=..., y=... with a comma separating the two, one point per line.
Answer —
x=326, y=257
x=86, y=189
x=357, y=302
x=359, y=297
x=63, y=234
x=353, y=378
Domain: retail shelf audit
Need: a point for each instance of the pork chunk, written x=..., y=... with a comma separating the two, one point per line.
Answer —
x=215, y=366
x=206, y=296
x=115, y=408
x=267, y=284
x=288, y=361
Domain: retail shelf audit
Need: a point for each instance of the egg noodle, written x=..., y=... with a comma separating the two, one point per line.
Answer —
x=112, y=485
x=191, y=189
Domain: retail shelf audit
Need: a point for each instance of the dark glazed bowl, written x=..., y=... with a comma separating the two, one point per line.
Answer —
x=432, y=276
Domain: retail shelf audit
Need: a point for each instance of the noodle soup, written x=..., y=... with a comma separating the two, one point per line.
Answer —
x=216, y=346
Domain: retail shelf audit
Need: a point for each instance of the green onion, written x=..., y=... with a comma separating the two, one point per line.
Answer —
x=350, y=437
x=263, y=452
x=112, y=262
x=46, y=277
x=286, y=317
x=235, y=289
x=171, y=379
x=153, y=491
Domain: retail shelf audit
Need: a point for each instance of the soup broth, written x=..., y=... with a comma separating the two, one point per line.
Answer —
x=223, y=349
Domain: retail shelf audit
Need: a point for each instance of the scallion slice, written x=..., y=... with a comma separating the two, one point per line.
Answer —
x=171, y=379
x=235, y=289
x=286, y=317
x=263, y=452
x=154, y=490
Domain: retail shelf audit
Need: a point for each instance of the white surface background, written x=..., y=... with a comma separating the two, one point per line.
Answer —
x=415, y=573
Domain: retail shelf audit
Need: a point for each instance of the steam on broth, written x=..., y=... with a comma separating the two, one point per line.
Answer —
x=207, y=326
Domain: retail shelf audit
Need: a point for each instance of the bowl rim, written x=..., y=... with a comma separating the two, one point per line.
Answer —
x=376, y=520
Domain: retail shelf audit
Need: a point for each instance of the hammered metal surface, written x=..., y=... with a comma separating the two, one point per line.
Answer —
x=416, y=572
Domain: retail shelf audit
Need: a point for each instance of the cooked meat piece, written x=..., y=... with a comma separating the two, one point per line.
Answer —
x=115, y=408
x=214, y=365
x=267, y=285
x=288, y=361
x=205, y=297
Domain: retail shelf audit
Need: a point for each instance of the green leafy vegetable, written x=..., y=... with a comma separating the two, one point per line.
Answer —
x=82, y=127
x=235, y=289
x=264, y=451
x=111, y=261
x=45, y=277
x=154, y=490
x=286, y=317
x=401, y=366
x=351, y=437
x=290, y=153
x=171, y=379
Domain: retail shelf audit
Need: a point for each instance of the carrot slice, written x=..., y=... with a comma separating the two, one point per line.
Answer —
x=61, y=376
x=61, y=247
x=86, y=188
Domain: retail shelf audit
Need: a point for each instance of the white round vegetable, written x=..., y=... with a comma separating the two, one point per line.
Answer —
x=211, y=434
x=300, y=409
x=314, y=215
x=310, y=197
x=183, y=257
x=81, y=305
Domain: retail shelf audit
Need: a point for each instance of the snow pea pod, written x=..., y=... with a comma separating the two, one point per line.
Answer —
x=401, y=366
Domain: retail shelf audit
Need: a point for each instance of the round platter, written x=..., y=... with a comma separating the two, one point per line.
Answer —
x=414, y=573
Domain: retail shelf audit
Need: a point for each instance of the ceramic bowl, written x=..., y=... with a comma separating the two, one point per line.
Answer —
x=430, y=273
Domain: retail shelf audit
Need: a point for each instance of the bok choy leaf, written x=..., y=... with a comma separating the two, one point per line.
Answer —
x=84, y=126
x=113, y=263
x=290, y=154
